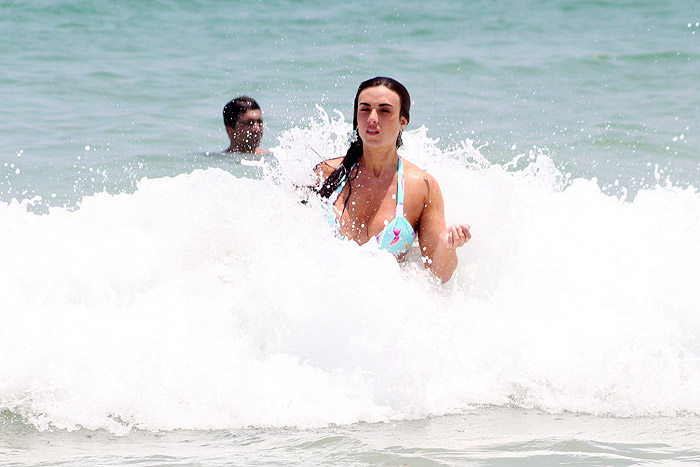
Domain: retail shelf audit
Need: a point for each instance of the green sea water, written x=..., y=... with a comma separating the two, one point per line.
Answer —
x=487, y=436
x=609, y=89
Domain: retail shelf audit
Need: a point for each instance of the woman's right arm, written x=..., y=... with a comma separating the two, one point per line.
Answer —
x=325, y=168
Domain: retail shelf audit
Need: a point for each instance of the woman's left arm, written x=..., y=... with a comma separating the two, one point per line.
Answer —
x=438, y=242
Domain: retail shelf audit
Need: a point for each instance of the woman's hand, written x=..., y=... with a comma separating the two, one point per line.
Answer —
x=455, y=236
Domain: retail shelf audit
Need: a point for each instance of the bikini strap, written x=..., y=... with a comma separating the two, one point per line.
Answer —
x=399, y=190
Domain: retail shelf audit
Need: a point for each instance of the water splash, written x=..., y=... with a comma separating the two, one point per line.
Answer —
x=209, y=301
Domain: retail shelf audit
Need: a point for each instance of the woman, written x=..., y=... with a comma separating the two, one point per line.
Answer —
x=375, y=194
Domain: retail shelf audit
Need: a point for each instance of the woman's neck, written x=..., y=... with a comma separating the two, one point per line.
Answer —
x=378, y=160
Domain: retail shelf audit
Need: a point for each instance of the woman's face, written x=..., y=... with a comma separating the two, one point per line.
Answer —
x=378, y=117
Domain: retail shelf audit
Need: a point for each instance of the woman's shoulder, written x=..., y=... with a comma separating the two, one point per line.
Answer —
x=325, y=168
x=417, y=176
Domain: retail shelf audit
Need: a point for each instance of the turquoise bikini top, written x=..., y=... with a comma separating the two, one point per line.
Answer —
x=397, y=237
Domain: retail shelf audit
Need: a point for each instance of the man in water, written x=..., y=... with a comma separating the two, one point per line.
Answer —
x=244, y=126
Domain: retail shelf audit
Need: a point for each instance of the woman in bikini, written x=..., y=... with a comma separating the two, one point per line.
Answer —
x=374, y=194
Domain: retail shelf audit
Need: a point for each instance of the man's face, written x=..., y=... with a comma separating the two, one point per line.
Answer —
x=249, y=128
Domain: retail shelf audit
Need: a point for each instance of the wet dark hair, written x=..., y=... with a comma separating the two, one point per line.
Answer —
x=355, y=150
x=238, y=106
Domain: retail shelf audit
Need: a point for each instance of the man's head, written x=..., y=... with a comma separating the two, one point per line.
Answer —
x=244, y=125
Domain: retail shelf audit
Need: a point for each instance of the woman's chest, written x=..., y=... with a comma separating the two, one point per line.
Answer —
x=364, y=213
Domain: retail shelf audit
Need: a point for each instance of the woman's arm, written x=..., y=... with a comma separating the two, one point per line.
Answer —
x=438, y=242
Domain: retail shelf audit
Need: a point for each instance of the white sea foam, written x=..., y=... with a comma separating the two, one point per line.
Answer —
x=209, y=301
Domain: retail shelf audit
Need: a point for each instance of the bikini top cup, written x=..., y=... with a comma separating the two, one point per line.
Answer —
x=398, y=235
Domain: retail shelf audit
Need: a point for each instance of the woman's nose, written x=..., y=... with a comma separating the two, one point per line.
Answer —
x=373, y=116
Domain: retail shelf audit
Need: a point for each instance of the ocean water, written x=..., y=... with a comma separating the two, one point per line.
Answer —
x=162, y=304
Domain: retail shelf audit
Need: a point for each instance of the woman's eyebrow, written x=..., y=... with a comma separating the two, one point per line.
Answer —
x=386, y=104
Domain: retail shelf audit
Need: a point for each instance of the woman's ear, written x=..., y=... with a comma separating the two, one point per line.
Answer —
x=404, y=122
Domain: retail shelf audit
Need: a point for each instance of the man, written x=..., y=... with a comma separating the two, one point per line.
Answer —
x=244, y=126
